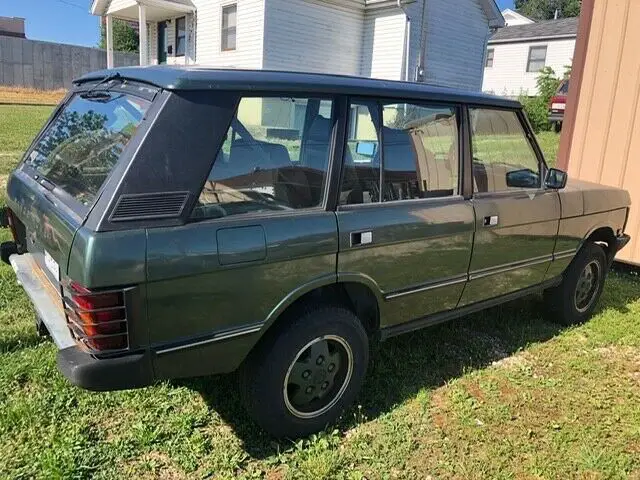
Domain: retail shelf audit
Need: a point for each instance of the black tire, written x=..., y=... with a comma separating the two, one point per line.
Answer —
x=41, y=328
x=557, y=127
x=573, y=301
x=287, y=352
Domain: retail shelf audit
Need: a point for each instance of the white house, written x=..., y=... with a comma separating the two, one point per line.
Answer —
x=437, y=41
x=517, y=52
x=511, y=18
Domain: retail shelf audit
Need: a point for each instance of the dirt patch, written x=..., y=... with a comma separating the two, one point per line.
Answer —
x=519, y=360
x=30, y=96
x=154, y=465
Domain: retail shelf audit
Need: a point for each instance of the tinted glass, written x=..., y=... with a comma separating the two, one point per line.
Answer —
x=420, y=147
x=503, y=158
x=564, y=88
x=83, y=144
x=275, y=157
x=361, y=172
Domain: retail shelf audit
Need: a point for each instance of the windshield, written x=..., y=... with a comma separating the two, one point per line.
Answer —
x=83, y=144
x=564, y=88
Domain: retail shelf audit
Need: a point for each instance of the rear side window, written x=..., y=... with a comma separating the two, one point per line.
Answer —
x=503, y=158
x=418, y=158
x=83, y=144
x=275, y=157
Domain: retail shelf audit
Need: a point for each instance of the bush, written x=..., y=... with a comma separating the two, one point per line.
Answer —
x=537, y=108
x=537, y=111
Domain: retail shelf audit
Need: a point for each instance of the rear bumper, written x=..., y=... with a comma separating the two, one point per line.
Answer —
x=622, y=241
x=105, y=374
x=79, y=367
x=46, y=300
x=556, y=117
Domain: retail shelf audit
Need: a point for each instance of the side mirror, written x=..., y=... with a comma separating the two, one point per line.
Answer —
x=524, y=178
x=556, y=179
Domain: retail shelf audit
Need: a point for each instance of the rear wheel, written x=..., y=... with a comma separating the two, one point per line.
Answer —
x=301, y=378
x=557, y=127
x=573, y=301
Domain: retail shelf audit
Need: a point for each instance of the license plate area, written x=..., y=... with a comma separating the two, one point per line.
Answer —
x=52, y=265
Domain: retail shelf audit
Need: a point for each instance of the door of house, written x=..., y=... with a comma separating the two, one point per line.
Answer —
x=162, y=42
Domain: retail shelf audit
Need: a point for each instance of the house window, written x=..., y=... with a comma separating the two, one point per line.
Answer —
x=537, y=58
x=489, y=61
x=181, y=35
x=229, y=19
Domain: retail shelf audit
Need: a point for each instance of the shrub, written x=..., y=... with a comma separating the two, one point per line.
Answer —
x=537, y=107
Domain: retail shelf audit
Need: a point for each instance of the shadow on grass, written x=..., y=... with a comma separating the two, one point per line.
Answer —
x=423, y=360
x=20, y=341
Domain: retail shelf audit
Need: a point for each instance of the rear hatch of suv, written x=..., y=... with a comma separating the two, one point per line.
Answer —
x=52, y=192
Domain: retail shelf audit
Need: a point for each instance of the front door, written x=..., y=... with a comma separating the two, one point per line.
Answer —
x=403, y=226
x=516, y=218
x=162, y=42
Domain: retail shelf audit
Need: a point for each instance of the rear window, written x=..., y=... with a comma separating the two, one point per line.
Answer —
x=83, y=144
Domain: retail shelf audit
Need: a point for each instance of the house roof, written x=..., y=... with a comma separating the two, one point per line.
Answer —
x=563, y=28
x=203, y=78
x=518, y=16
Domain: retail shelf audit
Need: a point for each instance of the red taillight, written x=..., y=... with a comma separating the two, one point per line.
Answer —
x=98, y=319
x=558, y=100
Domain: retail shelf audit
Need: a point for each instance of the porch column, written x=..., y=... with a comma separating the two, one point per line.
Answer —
x=144, y=40
x=109, y=29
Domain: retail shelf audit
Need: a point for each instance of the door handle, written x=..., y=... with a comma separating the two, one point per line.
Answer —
x=361, y=238
x=491, y=221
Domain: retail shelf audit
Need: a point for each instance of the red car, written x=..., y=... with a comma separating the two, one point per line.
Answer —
x=557, y=105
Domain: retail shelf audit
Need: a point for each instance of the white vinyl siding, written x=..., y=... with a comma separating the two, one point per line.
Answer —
x=116, y=5
x=302, y=35
x=509, y=76
x=249, y=40
x=383, y=45
x=457, y=34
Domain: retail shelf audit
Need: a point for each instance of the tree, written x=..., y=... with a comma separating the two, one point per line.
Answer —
x=546, y=9
x=125, y=37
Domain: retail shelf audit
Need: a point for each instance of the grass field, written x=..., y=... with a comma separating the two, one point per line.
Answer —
x=502, y=394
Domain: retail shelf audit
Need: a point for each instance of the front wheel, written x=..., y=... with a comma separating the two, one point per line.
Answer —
x=573, y=301
x=302, y=376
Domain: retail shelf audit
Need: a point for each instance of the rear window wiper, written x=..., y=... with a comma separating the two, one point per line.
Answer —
x=91, y=93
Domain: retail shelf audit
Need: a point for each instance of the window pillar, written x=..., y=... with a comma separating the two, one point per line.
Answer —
x=144, y=39
x=109, y=32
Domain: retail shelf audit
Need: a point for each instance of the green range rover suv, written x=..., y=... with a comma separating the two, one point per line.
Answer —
x=177, y=222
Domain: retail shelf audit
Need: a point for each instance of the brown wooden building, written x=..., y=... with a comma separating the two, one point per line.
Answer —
x=601, y=133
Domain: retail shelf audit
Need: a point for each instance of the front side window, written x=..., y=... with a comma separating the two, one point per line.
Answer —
x=181, y=35
x=229, y=20
x=83, y=144
x=418, y=158
x=503, y=158
x=537, y=58
x=489, y=62
x=261, y=167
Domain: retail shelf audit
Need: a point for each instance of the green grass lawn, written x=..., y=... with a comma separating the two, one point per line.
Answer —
x=502, y=394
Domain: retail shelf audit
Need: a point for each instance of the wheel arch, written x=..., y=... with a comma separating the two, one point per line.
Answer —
x=603, y=236
x=357, y=292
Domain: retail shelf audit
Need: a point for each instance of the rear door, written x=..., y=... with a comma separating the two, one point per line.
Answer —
x=52, y=191
x=259, y=233
x=404, y=226
x=516, y=218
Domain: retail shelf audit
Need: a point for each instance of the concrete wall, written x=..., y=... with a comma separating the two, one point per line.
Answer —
x=44, y=65
x=601, y=135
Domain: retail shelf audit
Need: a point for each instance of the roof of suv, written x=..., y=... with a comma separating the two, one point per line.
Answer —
x=202, y=78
